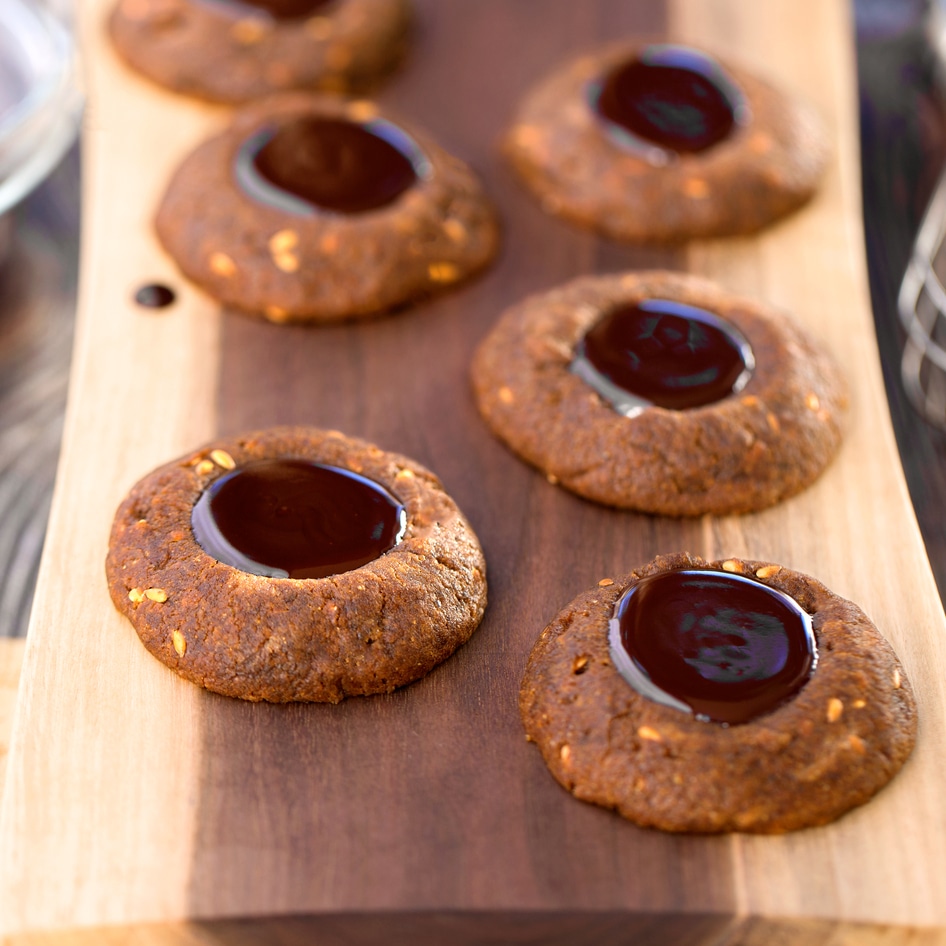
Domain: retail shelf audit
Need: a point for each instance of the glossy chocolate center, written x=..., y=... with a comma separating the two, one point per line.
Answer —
x=330, y=164
x=296, y=519
x=155, y=296
x=722, y=646
x=664, y=353
x=672, y=97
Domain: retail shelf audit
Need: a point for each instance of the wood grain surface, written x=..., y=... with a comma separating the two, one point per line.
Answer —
x=134, y=798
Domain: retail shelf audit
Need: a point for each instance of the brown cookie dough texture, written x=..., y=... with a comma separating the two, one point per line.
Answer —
x=232, y=53
x=762, y=171
x=832, y=747
x=743, y=453
x=360, y=632
x=322, y=266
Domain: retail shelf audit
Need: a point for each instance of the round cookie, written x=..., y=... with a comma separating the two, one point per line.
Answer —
x=381, y=216
x=366, y=630
x=742, y=453
x=585, y=167
x=233, y=51
x=831, y=747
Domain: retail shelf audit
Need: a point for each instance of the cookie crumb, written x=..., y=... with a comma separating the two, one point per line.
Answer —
x=362, y=110
x=223, y=459
x=248, y=32
x=287, y=262
x=454, y=230
x=276, y=314
x=443, y=272
x=282, y=241
x=222, y=265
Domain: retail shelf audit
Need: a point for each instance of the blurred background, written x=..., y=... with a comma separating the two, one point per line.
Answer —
x=40, y=107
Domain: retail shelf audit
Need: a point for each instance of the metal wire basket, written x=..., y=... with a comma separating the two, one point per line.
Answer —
x=922, y=299
x=922, y=308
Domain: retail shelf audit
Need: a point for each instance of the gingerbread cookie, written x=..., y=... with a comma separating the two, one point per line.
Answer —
x=233, y=51
x=765, y=703
x=661, y=392
x=296, y=564
x=312, y=208
x=663, y=143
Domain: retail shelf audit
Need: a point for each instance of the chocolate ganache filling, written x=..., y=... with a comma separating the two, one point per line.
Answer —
x=664, y=353
x=721, y=646
x=312, y=163
x=288, y=518
x=668, y=100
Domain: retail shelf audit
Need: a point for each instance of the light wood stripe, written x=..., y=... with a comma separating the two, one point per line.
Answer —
x=856, y=529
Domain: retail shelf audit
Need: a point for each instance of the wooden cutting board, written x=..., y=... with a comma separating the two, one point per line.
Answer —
x=135, y=798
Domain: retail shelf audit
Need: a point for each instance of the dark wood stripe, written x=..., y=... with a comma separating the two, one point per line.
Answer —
x=431, y=797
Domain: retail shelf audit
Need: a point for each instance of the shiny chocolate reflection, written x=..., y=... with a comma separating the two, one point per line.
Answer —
x=289, y=518
x=721, y=646
x=313, y=163
x=659, y=352
x=668, y=100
